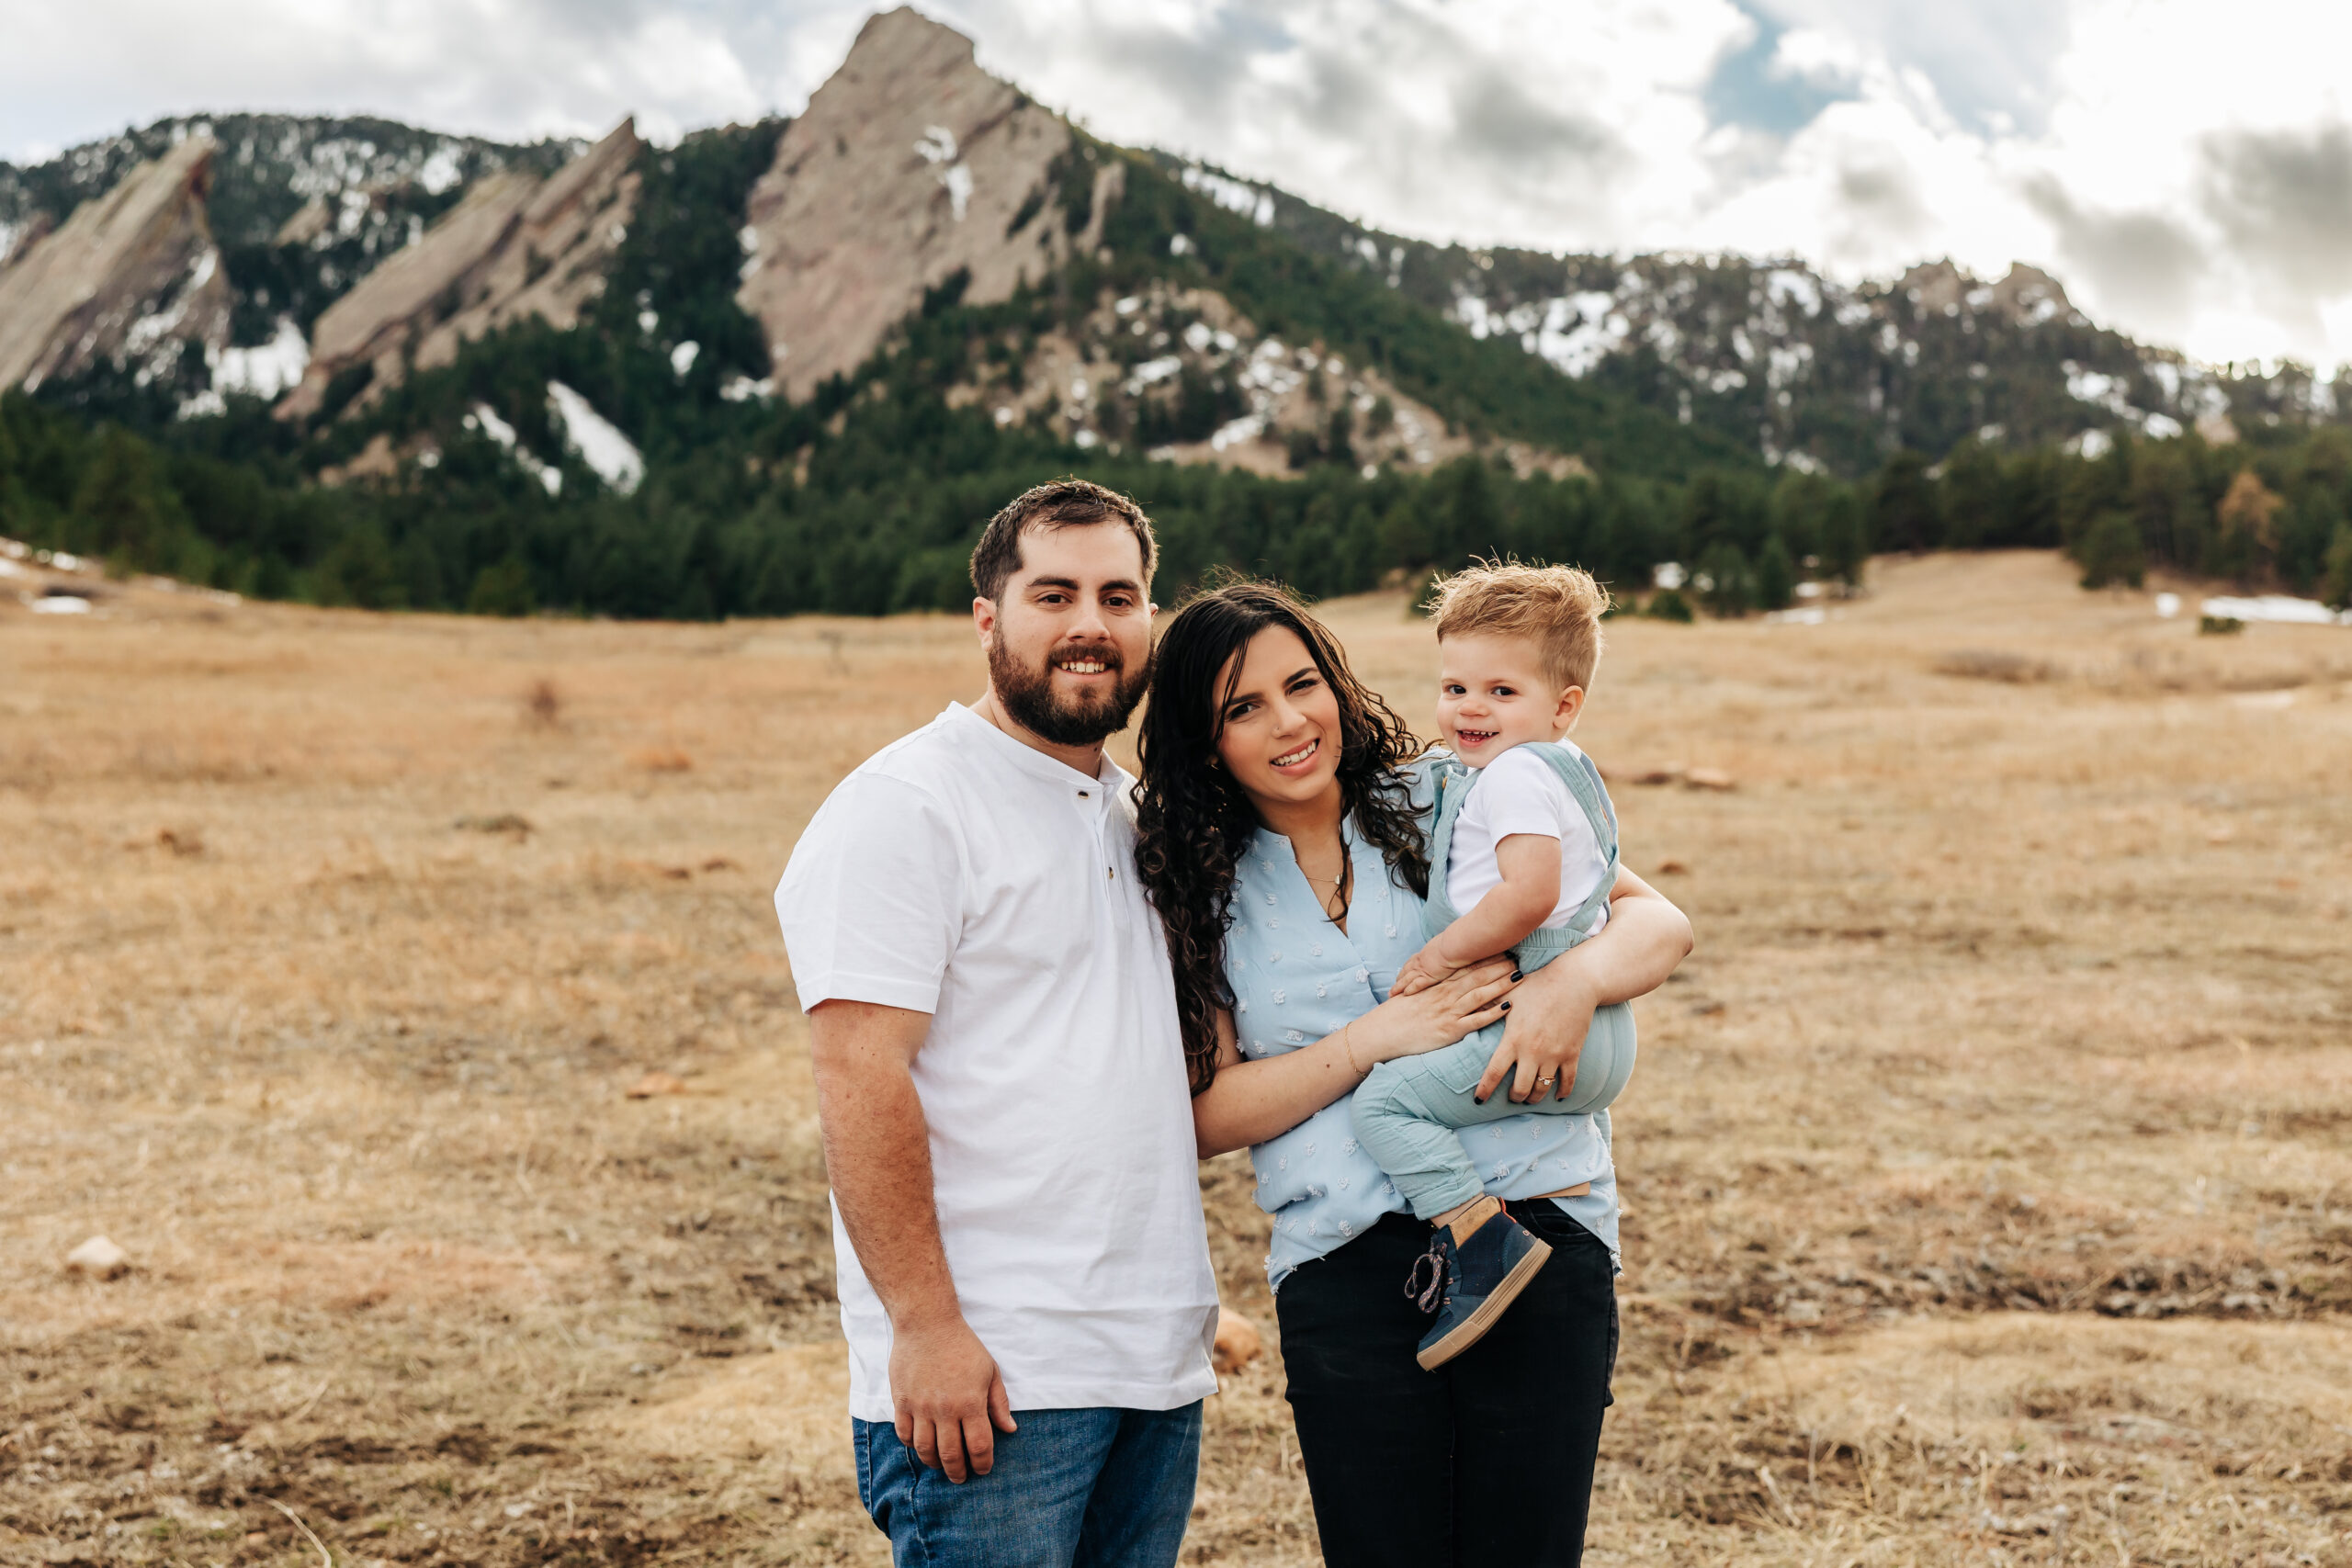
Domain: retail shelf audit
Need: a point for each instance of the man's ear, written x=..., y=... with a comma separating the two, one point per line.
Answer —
x=983, y=618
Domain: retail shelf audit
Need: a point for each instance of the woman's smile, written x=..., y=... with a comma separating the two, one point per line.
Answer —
x=1277, y=711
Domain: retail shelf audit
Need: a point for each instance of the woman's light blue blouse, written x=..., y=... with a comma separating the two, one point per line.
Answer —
x=1297, y=978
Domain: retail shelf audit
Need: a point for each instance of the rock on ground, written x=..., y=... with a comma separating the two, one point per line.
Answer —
x=98, y=1258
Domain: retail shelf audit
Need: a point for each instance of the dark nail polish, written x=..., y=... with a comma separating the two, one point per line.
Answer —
x=1516, y=974
x=1505, y=1006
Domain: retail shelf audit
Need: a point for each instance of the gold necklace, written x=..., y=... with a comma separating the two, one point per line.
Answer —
x=1339, y=884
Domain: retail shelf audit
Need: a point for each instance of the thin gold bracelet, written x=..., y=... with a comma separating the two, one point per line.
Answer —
x=1347, y=1049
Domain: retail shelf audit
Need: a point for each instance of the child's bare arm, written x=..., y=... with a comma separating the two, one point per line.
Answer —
x=1530, y=864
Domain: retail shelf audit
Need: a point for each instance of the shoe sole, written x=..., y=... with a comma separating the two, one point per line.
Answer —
x=1474, y=1328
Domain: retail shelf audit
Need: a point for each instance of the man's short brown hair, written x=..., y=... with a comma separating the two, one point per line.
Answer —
x=1556, y=607
x=1063, y=504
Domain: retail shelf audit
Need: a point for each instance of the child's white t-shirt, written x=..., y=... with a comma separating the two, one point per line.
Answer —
x=1520, y=793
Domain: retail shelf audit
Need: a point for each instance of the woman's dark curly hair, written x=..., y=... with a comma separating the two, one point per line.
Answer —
x=1193, y=822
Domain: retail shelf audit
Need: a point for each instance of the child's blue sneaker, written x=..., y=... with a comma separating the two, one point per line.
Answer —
x=1476, y=1267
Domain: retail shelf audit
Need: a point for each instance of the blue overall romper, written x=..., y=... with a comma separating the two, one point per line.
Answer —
x=1408, y=1111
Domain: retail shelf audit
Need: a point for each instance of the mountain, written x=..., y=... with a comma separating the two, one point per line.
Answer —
x=792, y=364
x=1798, y=366
x=912, y=171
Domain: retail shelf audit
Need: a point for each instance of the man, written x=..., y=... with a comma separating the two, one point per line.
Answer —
x=1024, y=1270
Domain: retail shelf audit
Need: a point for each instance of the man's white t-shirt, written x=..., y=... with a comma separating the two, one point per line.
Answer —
x=1520, y=793
x=962, y=874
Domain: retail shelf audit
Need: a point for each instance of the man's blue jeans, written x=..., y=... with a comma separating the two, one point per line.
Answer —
x=1091, y=1488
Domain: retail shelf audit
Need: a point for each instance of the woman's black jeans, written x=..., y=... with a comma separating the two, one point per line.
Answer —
x=1486, y=1462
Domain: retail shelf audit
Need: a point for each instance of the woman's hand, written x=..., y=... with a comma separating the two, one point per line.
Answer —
x=1646, y=938
x=1249, y=1102
x=1546, y=1045
x=1465, y=1001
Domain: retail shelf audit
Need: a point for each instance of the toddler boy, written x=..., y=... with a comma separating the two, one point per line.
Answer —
x=1526, y=846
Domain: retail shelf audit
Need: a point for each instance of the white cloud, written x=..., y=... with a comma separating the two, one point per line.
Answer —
x=2187, y=172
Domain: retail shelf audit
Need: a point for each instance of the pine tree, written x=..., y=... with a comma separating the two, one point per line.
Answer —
x=2336, y=575
x=1845, y=543
x=1975, y=506
x=502, y=587
x=1727, y=581
x=123, y=510
x=2248, y=536
x=2110, y=552
x=14, y=510
x=1776, y=575
x=1903, y=505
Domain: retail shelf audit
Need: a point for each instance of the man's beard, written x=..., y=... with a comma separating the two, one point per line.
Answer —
x=1027, y=695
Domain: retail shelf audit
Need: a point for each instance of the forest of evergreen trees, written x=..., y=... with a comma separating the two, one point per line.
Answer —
x=890, y=506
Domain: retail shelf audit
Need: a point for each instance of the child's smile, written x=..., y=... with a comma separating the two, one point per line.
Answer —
x=1493, y=695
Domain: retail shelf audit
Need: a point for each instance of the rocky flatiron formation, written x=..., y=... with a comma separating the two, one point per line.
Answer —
x=345, y=252
x=911, y=165
x=132, y=275
x=515, y=246
x=2026, y=296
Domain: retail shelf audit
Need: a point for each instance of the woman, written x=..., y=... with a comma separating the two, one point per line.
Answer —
x=1282, y=821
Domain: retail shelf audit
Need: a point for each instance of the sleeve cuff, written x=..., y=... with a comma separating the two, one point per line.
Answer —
x=882, y=990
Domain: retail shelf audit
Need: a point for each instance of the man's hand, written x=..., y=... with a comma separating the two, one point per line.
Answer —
x=950, y=1400
x=944, y=1388
x=1421, y=971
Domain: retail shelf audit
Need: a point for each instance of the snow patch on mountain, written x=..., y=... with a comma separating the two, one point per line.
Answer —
x=1234, y=195
x=485, y=419
x=937, y=148
x=1153, y=371
x=440, y=170
x=613, y=457
x=265, y=371
x=163, y=321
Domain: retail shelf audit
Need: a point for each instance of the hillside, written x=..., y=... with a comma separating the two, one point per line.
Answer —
x=791, y=365
x=1798, y=366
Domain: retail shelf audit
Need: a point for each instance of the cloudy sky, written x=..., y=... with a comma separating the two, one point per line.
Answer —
x=2185, y=166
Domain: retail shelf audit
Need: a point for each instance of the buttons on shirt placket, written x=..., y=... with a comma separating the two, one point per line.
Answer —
x=1110, y=871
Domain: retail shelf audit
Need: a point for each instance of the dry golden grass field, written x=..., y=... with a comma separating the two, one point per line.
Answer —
x=1989, y=1169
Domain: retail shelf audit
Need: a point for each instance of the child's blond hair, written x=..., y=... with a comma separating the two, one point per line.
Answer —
x=1556, y=607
